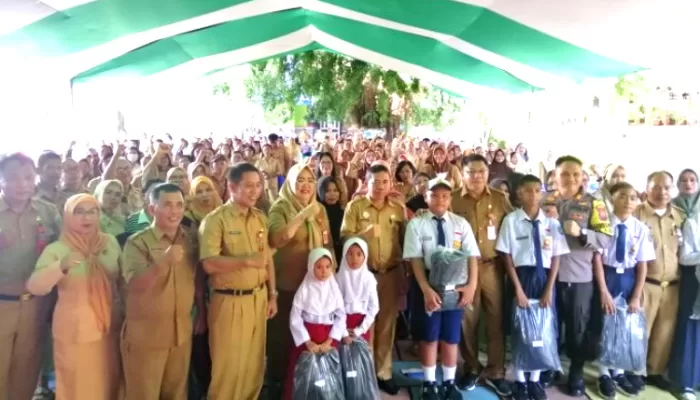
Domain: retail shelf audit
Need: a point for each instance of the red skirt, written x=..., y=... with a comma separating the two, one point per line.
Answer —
x=318, y=333
x=355, y=320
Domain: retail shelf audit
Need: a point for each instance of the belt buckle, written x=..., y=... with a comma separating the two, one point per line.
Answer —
x=25, y=296
x=664, y=284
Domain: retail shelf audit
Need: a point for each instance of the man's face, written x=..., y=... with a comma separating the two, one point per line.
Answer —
x=247, y=192
x=476, y=175
x=72, y=176
x=530, y=194
x=17, y=180
x=625, y=201
x=569, y=176
x=380, y=184
x=659, y=189
x=51, y=171
x=168, y=211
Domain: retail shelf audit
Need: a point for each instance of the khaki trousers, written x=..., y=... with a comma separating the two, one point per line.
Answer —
x=237, y=335
x=23, y=329
x=661, y=308
x=156, y=373
x=489, y=296
x=384, y=328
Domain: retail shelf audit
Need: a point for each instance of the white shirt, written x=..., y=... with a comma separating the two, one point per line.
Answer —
x=301, y=335
x=690, y=247
x=516, y=239
x=639, y=245
x=422, y=236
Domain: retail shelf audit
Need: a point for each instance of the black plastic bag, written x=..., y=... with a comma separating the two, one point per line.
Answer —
x=623, y=343
x=359, y=376
x=448, y=272
x=318, y=377
x=534, y=338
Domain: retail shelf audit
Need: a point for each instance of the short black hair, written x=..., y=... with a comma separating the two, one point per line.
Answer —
x=565, y=159
x=621, y=186
x=418, y=175
x=161, y=188
x=19, y=157
x=375, y=169
x=400, y=166
x=273, y=137
x=474, y=158
x=656, y=173
x=150, y=184
x=45, y=157
x=235, y=173
x=529, y=178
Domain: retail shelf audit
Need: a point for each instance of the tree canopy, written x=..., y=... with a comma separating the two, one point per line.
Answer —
x=346, y=90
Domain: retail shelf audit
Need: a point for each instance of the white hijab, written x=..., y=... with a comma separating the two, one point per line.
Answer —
x=356, y=285
x=318, y=297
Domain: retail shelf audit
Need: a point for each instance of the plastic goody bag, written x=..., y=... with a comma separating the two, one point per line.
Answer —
x=623, y=343
x=534, y=338
x=448, y=271
x=318, y=377
x=358, y=371
x=696, y=305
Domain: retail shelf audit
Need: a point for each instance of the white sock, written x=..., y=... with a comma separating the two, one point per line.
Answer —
x=429, y=374
x=520, y=376
x=448, y=373
x=618, y=372
x=534, y=376
x=604, y=371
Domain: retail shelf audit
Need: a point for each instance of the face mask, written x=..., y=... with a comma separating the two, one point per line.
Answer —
x=132, y=157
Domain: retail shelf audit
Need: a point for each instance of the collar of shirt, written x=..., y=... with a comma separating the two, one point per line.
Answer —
x=523, y=216
x=236, y=210
x=159, y=234
x=487, y=191
x=651, y=211
x=5, y=207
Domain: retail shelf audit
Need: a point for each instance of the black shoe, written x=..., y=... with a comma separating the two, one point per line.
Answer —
x=468, y=381
x=500, y=386
x=606, y=387
x=637, y=381
x=575, y=385
x=625, y=386
x=520, y=391
x=536, y=391
x=546, y=379
x=430, y=391
x=450, y=391
x=659, y=381
x=388, y=386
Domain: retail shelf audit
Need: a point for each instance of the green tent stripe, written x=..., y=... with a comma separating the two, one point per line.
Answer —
x=495, y=33
x=101, y=21
x=418, y=50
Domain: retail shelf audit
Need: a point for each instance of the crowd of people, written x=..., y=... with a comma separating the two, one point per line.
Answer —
x=195, y=270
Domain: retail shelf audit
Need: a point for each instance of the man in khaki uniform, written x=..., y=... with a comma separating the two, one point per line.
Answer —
x=379, y=220
x=236, y=255
x=660, y=299
x=26, y=226
x=159, y=268
x=484, y=208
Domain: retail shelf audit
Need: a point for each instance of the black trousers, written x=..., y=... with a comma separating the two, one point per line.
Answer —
x=574, y=302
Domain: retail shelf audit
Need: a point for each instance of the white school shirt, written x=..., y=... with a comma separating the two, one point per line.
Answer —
x=516, y=239
x=690, y=247
x=639, y=245
x=422, y=237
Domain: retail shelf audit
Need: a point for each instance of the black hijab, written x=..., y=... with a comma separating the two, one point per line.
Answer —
x=334, y=211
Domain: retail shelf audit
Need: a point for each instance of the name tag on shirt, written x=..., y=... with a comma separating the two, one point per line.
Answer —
x=457, y=242
x=521, y=238
x=538, y=343
x=491, y=232
x=620, y=270
x=234, y=232
x=351, y=374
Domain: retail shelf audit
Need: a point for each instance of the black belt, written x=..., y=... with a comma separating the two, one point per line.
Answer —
x=663, y=284
x=386, y=271
x=487, y=260
x=21, y=297
x=240, y=292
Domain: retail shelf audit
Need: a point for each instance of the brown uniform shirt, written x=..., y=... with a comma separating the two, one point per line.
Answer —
x=229, y=231
x=161, y=316
x=483, y=215
x=384, y=250
x=22, y=239
x=667, y=236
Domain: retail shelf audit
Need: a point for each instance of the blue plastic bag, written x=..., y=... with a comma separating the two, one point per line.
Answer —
x=623, y=342
x=534, y=338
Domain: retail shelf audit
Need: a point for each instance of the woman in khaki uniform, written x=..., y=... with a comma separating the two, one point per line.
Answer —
x=440, y=165
x=203, y=199
x=297, y=224
x=271, y=169
x=84, y=265
x=109, y=195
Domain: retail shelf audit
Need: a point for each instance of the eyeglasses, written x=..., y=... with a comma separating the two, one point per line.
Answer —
x=84, y=213
x=476, y=171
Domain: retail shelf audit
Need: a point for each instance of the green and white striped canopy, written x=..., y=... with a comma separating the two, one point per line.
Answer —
x=475, y=47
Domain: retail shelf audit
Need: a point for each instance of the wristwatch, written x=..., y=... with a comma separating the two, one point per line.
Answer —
x=274, y=293
x=584, y=232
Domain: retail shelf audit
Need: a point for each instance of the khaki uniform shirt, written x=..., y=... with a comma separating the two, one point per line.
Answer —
x=484, y=215
x=161, y=316
x=384, y=250
x=22, y=239
x=229, y=231
x=667, y=236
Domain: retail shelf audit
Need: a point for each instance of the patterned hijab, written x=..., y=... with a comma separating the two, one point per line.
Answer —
x=288, y=195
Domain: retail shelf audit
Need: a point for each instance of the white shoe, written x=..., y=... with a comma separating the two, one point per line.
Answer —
x=688, y=396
